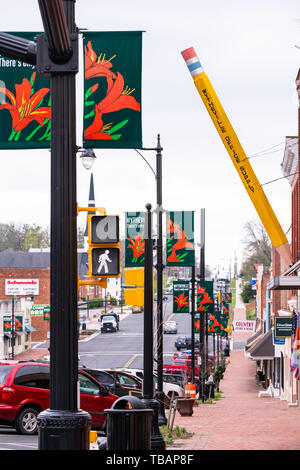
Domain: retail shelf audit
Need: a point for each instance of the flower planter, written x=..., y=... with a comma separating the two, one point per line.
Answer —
x=185, y=406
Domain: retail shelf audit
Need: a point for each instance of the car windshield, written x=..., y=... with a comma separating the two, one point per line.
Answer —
x=107, y=318
x=4, y=371
x=171, y=323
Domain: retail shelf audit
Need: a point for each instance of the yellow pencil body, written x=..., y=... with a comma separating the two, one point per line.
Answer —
x=237, y=154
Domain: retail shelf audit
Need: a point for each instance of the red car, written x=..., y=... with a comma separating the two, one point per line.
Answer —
x=24, y=393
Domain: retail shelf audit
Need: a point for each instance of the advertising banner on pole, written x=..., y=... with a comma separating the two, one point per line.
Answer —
x=134, y=239
x=112, y=89
x=180, y=238
x=25, y=104
x=181, y=296
x=205, y=296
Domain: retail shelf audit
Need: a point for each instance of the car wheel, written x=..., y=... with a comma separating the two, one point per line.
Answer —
x=26, y=422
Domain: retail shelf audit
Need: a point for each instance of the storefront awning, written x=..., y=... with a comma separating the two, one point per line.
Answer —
x=29, y=328
x=264, y=348
x=284, y=283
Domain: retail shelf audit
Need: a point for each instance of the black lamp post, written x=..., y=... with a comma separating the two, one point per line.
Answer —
x=159, y=269
x=157, y=441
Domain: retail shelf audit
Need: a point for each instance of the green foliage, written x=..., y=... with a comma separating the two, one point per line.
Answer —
x=175, y=433
x=247, y=293
x=22, y=237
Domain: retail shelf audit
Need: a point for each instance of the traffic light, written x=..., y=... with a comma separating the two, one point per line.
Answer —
x=219, y=296
x=104, y=246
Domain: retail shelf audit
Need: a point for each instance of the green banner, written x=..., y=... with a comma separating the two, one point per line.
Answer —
x=217, y=323
x=228, y=297
x=134, y=239
x=7, y=323
x=25, y=109
x=225, y=309
x=181, y=296
x=112, y=89
x=205, y=296
x=180, y=238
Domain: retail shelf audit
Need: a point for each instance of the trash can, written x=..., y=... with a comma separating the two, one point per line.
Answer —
x=209, y=389
x=128, y=428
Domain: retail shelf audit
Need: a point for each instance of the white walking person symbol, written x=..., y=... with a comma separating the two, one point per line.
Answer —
x=103, y=259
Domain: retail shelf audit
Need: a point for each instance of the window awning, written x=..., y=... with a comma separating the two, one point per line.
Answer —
x=264, y=348
x=29, y=328
x=284, y=283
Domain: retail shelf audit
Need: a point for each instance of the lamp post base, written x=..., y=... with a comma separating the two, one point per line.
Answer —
x=160, y=397
x=63, y=430
x=157, y=441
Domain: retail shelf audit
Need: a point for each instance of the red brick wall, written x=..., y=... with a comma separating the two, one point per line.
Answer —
x=43, y=274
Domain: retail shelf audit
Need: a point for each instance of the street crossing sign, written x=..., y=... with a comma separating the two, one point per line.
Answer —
x=104, y=246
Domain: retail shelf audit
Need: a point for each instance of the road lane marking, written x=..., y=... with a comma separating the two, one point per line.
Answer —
x=130, y=361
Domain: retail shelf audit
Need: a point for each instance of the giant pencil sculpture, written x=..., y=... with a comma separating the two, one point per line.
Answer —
x=237, y=155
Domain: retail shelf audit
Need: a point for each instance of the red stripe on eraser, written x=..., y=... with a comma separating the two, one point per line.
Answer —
x=189, y=53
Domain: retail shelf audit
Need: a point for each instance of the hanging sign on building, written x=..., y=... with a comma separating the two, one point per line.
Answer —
x=21, y=286
x=244, y=325
x=283, y=327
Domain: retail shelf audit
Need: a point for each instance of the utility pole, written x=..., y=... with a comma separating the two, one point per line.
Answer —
x=202, y=317
x=193, y=323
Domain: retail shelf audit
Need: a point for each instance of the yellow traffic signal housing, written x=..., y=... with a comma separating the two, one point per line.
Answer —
x=134, y=277
x=104, y=246
x=134, y=296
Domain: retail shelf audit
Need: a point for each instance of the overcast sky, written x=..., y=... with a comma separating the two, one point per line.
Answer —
x=247, y=50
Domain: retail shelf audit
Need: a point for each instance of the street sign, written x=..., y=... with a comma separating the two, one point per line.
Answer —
x=253, y=283
x=21, y=287
x=104, y=246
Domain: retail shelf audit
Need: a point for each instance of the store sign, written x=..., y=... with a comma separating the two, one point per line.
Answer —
x=283, y=327
x=244, y=325
x=21, y=287
x=40, y=310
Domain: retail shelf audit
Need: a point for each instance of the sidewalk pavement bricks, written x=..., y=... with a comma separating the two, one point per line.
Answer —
x=240, y=420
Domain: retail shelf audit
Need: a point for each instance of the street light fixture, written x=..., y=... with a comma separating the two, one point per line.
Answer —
x=88, y=158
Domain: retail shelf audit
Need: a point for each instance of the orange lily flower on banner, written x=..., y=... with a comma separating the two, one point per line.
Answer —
x=206, y=299
x=137, y=245
x=181, y=301
x=96, y=130
x=118, y=98
x=97, y=66
x=23, y=107
x=181, y=243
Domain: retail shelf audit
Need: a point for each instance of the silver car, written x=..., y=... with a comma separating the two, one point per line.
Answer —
x=170, y=327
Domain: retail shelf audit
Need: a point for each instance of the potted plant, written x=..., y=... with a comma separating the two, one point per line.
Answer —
x=185, y=406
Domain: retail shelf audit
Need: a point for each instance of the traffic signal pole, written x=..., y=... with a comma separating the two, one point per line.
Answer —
x=202, y=316
x=63, y=426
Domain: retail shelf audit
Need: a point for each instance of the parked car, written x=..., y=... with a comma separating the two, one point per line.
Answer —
x=111, y=382
x=24, y=393
x=185, y=342
x=128, y=381
x=170, y=327
x=168, y=387
x=137, y=309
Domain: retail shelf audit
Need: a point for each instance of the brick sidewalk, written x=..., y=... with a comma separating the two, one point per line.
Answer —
x=240, y=420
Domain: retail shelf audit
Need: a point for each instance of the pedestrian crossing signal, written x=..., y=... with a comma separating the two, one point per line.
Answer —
x=104, y=246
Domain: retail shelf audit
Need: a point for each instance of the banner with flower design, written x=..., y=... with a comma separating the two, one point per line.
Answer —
x=25, y=104
x=217, y=323
x=205, y=296
x=181, y=296
x=180, y=238
x=112, y=89
x=134, y=239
